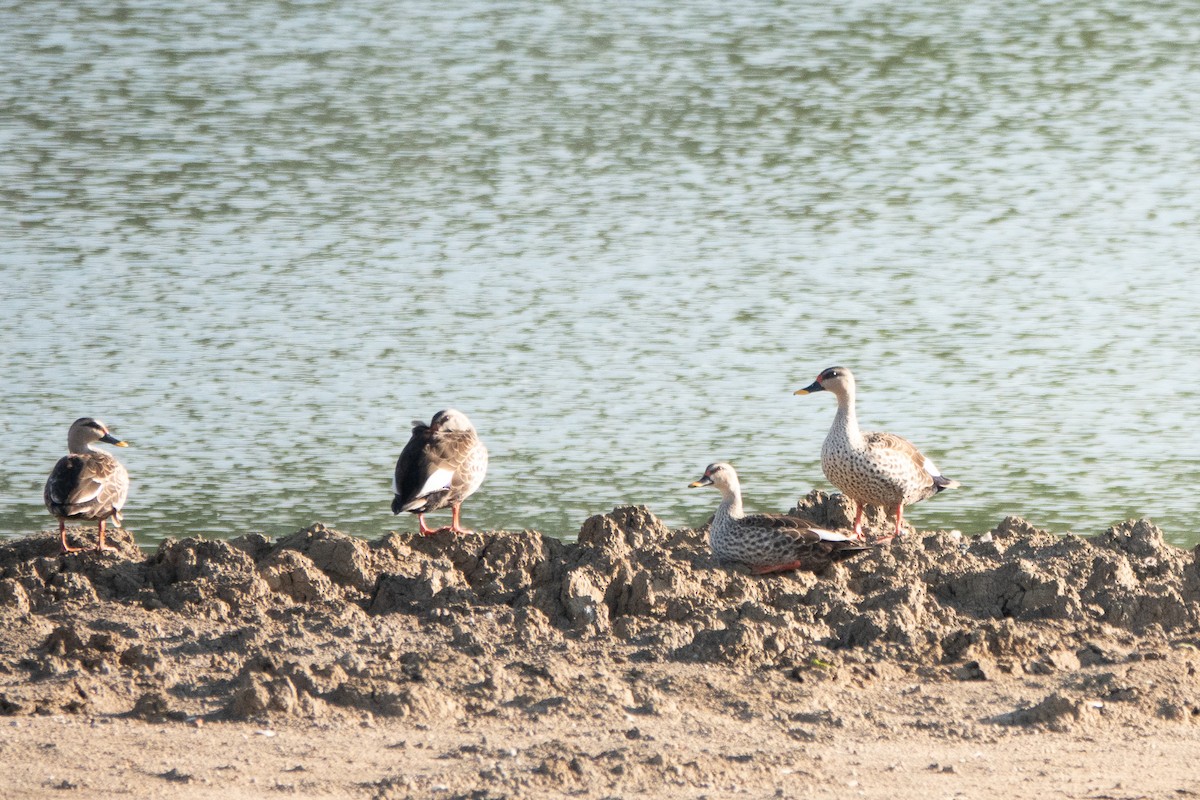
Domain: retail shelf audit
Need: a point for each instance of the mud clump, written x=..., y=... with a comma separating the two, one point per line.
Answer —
x=442, y=627
x=1056, y=712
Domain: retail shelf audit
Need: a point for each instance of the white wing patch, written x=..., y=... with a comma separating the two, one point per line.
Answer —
x=438, y=481
x=930, y=467
x=831, y=536
x=86, y=495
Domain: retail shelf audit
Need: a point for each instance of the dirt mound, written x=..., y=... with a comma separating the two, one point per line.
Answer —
x=441, y=627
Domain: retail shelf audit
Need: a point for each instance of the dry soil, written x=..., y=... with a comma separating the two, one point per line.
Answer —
x=507, y=664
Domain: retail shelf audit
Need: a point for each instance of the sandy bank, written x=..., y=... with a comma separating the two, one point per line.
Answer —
x=630, y=663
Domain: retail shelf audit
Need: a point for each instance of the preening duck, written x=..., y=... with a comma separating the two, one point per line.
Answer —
x=442, y=465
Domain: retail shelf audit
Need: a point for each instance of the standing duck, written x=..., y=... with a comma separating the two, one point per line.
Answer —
x=768, y=542
x=442, y=465
x=879, y=469
x=87, y=483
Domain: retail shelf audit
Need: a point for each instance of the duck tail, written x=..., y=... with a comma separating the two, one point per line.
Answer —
x=849, y=550
x=943, y=483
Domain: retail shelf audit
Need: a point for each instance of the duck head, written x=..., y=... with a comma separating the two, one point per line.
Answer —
x=720, y=475
x=86, y=430
x=451, y=421
x=838, y=380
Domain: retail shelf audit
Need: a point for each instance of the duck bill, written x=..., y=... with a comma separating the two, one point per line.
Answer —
x=705, y=481
x=108, y=438
x=815, y=386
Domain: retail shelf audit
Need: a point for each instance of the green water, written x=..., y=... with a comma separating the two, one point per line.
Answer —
x=258, y=239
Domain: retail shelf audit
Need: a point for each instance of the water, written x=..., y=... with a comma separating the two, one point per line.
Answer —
x=258, y=239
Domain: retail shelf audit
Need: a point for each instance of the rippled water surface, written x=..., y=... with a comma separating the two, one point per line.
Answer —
x=257, y=239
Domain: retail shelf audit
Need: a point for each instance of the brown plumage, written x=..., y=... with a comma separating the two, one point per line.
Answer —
x=442, y=465
x=872, y=468
x=768, y=542
x=87, y=483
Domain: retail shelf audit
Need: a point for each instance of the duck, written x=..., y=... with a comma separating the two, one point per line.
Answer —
x=768, y=542
x=442, y=465
x=87, y=483
x=878, y=469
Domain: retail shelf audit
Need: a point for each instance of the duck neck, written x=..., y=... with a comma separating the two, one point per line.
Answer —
x=846, y=419
x=82, y=447
x=731, y=503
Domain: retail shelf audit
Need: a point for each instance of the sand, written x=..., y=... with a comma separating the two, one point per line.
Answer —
x=1015, y=664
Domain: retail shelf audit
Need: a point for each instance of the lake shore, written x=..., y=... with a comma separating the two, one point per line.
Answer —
x=631, y=663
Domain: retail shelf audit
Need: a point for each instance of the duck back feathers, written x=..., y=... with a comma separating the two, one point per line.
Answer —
x=442, y=464
x=90, y=485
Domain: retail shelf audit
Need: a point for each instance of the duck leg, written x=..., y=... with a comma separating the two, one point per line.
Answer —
x=899, y=518
x=895, y=534
x=858, y=514
x=455, y=524
x=62, y=535
x=100, y=545
x=425, y=529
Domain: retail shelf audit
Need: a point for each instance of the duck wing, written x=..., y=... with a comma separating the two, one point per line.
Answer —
x=801, y=541
x=781, y=523
x=464, y=454
x=63, y=486
x=116, y=486
x=418, y=473
x=921, y=464
x=91, y=485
